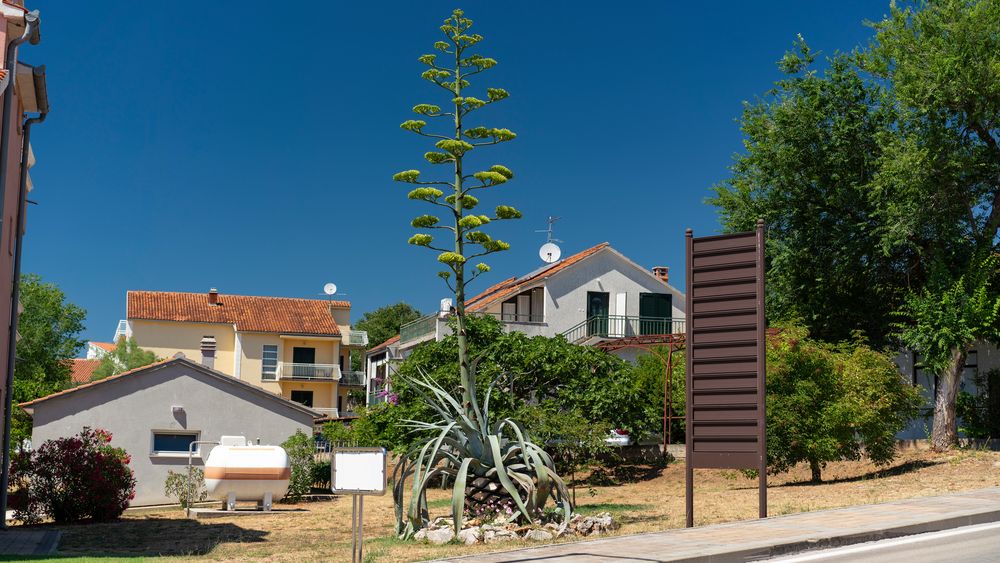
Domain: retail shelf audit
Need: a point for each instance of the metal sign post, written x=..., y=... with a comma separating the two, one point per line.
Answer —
x=726, y=326
x=358, y=472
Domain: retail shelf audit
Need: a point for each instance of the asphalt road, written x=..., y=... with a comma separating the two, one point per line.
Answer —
x=973, y=544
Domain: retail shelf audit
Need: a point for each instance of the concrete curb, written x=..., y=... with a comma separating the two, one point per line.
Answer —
x=833, y=541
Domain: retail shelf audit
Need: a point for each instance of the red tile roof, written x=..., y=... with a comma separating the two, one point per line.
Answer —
x=285, y=315
x=83, y=369
x=109, y=346
x=512, y=286
x=383, y=345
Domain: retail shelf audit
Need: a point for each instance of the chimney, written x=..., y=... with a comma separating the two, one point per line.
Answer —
x=662, y=272
x=208, y=351
x=213, y=296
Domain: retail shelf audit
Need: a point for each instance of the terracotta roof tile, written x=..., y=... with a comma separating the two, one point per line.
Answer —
x=109, y=346
x=83, y=369
x=384, y=345
x=511, y=286
x=249, y=313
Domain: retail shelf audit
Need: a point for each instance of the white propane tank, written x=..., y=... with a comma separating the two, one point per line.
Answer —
x=247, y=473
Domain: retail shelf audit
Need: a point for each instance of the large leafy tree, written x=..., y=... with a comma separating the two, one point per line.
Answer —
x=49, y=328
x=940, y=180
x=812, y=151
x=880, y=181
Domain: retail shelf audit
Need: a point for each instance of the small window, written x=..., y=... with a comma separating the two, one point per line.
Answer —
x=303, y=397
x=173, y=443
x=269, y=362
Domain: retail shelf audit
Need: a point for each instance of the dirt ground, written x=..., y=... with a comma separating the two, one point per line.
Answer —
x=321, y=531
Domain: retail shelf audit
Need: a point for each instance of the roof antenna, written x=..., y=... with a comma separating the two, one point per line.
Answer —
x=550, y=251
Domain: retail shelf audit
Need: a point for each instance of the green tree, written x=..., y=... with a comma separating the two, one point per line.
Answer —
x=880, y=182
x=50, y=329
x=463, y=229
x=812, y=151
x=126, y=356
x=941, y=179
x=383, y=323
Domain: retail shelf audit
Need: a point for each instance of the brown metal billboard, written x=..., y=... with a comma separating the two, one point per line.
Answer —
x=726, y=355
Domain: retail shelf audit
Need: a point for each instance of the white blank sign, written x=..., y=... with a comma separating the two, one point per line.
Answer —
x=360, y=472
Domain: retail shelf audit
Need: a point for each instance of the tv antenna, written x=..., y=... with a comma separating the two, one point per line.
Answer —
x=548, y=231
x=550, y=251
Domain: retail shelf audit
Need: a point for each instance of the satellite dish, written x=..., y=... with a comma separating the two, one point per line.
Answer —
x=549, y=252
x=330, y=289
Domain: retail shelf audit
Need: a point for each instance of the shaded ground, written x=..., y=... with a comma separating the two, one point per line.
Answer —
x=322, y=532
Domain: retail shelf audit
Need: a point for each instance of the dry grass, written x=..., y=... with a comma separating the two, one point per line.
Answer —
x=656, y=502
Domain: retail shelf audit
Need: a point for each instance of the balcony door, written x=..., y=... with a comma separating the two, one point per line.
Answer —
x=655, y=311
x=303, y=358
x=598, y=306
x=303, y=397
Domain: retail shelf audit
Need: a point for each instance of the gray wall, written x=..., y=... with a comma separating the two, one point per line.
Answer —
x=131, y=407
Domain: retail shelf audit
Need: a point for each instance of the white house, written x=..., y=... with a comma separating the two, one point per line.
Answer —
x=593, y=296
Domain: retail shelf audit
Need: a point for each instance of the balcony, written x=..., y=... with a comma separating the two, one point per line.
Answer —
x=619, y=326
x=307, y=372
x=353, y=378
x=424, y=328
x=329, y=413
x=355, y=338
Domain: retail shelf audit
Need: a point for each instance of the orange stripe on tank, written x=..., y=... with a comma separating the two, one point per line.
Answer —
x=248, y=473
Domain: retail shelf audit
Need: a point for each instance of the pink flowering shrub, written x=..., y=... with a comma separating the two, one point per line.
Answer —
x=72, y=479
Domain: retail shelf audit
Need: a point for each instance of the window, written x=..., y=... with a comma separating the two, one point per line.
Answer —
x=269, y=362
x=173, y=442
x=527, y=307
x=303, y=397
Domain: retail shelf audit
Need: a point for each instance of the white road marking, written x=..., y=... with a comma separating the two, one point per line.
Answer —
x=884, y=544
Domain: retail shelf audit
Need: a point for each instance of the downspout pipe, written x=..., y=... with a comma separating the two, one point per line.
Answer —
x=22, y=197
x=32, y=34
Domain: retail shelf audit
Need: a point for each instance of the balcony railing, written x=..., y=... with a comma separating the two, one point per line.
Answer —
x=352, y=378
x=356, y=338
x=320, y=372
x=514, y=317
x=331, y=413
x=418, y=329
x=619, y=326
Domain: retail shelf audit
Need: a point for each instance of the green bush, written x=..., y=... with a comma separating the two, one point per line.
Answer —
x=71, y=479
x=827, y=403
x=321, y=475
x=187, y=492
x=301, y=456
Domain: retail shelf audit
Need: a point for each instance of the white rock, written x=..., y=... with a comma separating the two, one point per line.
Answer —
x=440, y=536
x=421, y=534
x=538, y=535
x=469, y=536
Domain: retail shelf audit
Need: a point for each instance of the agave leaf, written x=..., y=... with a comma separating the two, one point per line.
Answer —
x=458, y=493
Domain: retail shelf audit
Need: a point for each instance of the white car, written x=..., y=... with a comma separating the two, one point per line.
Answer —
x=619, y=437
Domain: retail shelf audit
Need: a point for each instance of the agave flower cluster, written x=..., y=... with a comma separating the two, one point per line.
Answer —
x=465, y=448
x=493, y=511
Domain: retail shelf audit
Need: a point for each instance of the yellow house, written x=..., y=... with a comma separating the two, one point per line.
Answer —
x=297, y=348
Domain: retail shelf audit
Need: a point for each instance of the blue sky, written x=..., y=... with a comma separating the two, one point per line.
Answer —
x=249, y=145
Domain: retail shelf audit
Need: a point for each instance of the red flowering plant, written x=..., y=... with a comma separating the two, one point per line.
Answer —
x=71, y=479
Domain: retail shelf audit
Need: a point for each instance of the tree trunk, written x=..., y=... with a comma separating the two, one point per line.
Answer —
x=817, y=471
x=945, y=433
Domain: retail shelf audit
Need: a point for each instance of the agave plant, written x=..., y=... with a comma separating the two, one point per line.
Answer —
x=497, y=461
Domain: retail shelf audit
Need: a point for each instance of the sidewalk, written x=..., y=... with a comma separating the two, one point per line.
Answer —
x=756, y=539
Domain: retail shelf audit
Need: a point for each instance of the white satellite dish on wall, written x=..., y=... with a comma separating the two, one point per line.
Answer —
x=330, y=289
x=549, y=252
